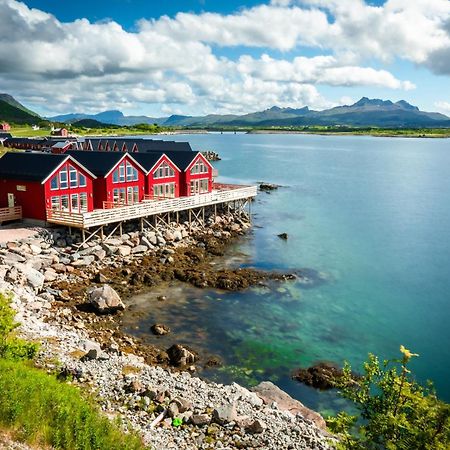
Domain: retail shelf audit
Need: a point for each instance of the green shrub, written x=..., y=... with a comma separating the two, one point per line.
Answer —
x=11, y=346
x=395, y=411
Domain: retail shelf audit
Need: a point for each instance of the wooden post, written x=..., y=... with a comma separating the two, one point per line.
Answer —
x=142, y=224
x=83, y=235
x=120, y=229
x=102, y=236
x=178, y=218
x=190, y=221
x=215, y=211
x=203, y=215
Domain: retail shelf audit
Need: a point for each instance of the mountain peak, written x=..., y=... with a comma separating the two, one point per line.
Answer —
x=405, y=105
x=365, y=101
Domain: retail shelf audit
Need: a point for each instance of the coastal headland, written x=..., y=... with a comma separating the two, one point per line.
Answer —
x=70, y=297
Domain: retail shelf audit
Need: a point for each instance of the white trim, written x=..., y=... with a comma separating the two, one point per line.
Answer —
x=115, y=165
x=193, y=160
x=68, y=158
x=156, y=163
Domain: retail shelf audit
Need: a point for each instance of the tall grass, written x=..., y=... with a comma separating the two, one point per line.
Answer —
x=37, y=408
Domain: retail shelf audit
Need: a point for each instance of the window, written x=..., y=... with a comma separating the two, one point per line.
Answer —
x=82, y=180
x=129, y=171
x=122, y=173
x=122, y=196
x=129, y=195
x=74, y=203
x=65, y=202
x=83, y=202
x=63, y=179
x=164, y=171
x=165, y=190
x=199, y=186
x=73, y=176
x=54, y=183
x=116, y=176
x=136, y=194
x=55, y=202
x=116, y=195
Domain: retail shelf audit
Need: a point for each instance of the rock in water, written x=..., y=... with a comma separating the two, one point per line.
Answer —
x=321, y=376
x=270, y=393
x=268, y=186
x=283, y=236
x=180, y=356
x=106, y=300
x=160, y=329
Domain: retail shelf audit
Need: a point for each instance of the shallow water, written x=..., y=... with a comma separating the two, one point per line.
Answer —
x=372, y=215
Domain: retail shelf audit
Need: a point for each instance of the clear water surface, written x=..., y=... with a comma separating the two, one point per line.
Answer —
x=372, y=215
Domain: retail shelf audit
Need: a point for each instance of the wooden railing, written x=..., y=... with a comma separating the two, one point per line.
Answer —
x=11, y=213
x=100, y=217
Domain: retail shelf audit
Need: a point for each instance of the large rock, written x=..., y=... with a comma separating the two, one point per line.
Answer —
x=124, y=250
x=106, y=300
x=180, y=356
x=160, y=329
x=270, y=393
x=225, y=414
x=34, y=278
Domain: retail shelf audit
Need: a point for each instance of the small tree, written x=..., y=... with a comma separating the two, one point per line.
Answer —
x=395, y=411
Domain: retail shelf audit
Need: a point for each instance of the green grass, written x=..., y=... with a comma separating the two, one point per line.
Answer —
x=27, y=131
x=37, y=408
x=40, y=410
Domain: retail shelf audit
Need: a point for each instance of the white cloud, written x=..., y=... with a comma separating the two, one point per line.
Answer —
x=443, y=107
x=171, y=62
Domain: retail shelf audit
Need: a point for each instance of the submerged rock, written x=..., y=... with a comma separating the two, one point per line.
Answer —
x=180, y=355
x=268, y=186
x=106, y=300
x=160, y=329
x=321, y=376
x=283, y=236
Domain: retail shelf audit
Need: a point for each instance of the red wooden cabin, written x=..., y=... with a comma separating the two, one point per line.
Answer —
x=163, y=175
x=120, y=178
x=60, y=132
x=198, y=176
x=38, y=182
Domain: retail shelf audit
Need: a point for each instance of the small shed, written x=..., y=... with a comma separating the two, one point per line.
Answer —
x=4, y=126
x=60, y=132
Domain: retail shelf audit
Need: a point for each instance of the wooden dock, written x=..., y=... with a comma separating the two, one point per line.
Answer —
x=221, y=194
x=12, y=213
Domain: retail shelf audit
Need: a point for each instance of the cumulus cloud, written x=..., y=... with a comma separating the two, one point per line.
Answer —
x=443, y=107
x=172, y=62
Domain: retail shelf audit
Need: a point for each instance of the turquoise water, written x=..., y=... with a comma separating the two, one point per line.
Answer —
x=372, y=215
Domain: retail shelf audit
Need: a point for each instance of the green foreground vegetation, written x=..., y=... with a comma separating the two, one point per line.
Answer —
x=37, y=408
x=396, y=413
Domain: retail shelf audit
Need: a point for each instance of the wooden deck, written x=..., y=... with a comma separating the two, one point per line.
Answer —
x=14, y=213
x=99, y=217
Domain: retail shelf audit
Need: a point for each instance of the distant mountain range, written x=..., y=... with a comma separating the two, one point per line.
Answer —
x=13, y=111
x=363, y=113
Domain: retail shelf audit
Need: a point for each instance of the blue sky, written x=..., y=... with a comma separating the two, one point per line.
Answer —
x=202, y=56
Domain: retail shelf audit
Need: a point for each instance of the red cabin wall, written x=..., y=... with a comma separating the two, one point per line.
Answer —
x=152, y=181
x=32, y=199
x=106, y=191
x=185, y=182
x=48, y=192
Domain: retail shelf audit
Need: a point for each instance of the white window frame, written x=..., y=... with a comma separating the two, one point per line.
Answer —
x=83, y=202
x=82, y=180
x=63, y=184
x=56, y=178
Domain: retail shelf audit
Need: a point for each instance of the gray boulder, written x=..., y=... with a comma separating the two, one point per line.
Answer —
x=106, y=300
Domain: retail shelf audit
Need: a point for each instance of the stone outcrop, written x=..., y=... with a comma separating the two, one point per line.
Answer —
x=106, y=300
x=270, y=393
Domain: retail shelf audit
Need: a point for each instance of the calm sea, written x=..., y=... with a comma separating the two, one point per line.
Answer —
x=372, y=215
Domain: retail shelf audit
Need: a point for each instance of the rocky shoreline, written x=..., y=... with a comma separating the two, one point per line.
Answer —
x=51, y=280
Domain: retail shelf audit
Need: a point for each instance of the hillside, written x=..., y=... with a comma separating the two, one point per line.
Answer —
x=365, y=112
x=13, y=111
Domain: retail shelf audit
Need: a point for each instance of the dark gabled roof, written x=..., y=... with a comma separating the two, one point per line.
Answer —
x=29, y=166
x=61, y=144
x=148, y=160
x=180, y=159
x=30, y=141
x=99, y=163
x=149, y=145
x=4, y=135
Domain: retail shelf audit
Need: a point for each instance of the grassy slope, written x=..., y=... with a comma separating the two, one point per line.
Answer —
x=10, y=113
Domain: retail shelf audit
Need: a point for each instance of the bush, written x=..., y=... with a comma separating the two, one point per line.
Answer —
x=12, y=347
x=395, y=411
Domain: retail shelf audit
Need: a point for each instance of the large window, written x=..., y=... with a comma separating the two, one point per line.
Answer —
x=55, y=201
x=164, y=190
x=164, y=171
x=63, y=179
x=125, y=171
x=199, y=167
x=74, y=206
x=83, y=202
x=65, y=202
x=54, y=183
x=73, y=176
x=83, y=181
x=199, y=186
